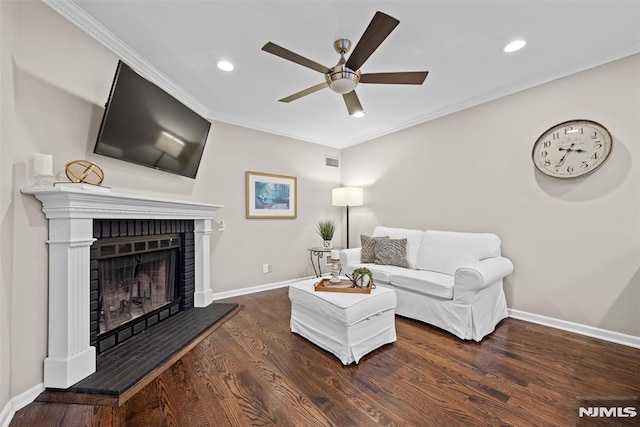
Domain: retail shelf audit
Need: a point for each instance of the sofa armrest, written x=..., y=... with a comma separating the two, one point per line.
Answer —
x=481, y=274
x=349, y=257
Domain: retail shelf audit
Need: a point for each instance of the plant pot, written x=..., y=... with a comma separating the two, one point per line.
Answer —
x=362, y=282
x=327, y=244
x=362, y=278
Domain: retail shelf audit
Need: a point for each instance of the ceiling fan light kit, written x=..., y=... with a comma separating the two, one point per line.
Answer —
x=345, y=76
x=342, y=80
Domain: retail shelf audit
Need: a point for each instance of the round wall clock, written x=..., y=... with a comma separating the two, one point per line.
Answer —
x=571, y=149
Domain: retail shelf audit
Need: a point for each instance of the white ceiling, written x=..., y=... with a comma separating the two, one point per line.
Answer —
x=177, y=44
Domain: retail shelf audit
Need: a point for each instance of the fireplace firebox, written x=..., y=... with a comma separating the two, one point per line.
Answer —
x=141, y=274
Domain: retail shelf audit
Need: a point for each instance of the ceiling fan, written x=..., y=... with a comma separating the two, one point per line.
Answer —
x=345, y=76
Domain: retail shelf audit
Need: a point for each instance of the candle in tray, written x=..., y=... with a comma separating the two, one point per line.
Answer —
x=335, y=254
x=42, y=164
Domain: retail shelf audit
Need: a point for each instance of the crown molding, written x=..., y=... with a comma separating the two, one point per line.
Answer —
x=89, y=25
x=501, y=92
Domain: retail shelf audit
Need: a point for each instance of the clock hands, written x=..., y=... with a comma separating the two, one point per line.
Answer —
x=569, y=150
x=579, y=150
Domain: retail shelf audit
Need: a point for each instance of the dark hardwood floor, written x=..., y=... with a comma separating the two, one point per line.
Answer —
x=253, y=371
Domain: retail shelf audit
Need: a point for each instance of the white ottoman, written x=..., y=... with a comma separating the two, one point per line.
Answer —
x=347, y=325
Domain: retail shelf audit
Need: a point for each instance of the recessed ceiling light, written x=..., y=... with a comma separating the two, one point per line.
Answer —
x=514, y=46
x=358, y=114
x=225, y=65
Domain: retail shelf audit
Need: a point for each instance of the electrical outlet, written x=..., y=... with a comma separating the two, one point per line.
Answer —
x=265, y=268
x=221, y=225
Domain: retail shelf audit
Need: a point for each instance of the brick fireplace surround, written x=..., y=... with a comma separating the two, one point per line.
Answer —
x=71, y=212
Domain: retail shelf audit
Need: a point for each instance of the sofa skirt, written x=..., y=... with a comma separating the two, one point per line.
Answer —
x=466, y=321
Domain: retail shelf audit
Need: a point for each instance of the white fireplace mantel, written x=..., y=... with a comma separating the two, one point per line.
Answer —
x=71, y=212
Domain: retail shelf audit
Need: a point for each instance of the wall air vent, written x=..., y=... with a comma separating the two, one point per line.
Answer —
x=334, y=162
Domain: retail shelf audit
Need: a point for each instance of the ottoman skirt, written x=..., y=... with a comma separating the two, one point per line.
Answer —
x=347, y=325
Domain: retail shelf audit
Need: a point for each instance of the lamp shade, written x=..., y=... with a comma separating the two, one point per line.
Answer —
x=347, y=196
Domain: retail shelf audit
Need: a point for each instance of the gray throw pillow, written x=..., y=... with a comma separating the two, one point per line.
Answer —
x=368, y=252
x=392, y=252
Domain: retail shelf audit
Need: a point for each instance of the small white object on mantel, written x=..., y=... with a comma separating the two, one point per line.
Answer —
x=42, y=164
x=43, y=169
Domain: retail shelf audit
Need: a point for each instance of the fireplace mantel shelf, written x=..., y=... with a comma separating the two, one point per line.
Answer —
x=65, y=202
x=71, y=212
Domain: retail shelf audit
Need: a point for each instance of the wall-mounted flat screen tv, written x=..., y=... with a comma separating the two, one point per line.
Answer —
x=143, y=124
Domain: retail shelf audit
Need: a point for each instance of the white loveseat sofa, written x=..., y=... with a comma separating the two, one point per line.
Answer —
x=451, y=280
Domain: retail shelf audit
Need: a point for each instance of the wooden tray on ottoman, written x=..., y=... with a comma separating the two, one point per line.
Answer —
x=345, y=286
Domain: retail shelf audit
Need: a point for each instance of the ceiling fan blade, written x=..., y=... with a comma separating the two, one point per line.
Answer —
x=406, y=78
x=294, y=57
x=353, y=103
x=379, y=28
x=305, y=92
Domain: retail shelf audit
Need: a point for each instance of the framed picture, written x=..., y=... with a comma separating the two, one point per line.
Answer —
x=271, y=196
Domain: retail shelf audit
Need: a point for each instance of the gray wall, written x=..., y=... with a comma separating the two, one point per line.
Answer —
x=55, y=80
x=575, y=243
x=239, y=252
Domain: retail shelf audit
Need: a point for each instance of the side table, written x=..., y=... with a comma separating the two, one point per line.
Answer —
x=319, y=253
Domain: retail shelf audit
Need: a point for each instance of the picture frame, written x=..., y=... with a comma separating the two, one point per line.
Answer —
x=271, y=196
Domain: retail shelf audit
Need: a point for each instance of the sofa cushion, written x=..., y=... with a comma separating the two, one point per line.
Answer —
x=446, y=251
x=414, y=239
x=391, y=252
x=381, y=273
x=368, y=244
x=425, y=282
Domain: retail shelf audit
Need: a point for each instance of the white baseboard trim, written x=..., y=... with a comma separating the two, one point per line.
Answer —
x=254, y=289
x=590, y=331
x=19, y=402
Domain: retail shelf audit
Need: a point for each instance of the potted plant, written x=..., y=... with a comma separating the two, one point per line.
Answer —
x=361, y=277
x=326, y=229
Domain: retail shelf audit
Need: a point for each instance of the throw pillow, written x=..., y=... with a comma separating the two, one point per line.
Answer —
x=392, y=252
x=368, y=253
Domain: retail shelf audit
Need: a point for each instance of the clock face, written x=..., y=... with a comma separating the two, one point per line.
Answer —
x=572, y=149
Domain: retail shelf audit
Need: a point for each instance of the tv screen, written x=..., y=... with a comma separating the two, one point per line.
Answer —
x=143, y=124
